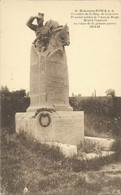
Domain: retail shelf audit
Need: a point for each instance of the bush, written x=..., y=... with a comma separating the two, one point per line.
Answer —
x=9, y=107
x=102, y=115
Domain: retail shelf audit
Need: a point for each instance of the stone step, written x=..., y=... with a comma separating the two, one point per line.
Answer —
x=91, y=156
x=102, y=142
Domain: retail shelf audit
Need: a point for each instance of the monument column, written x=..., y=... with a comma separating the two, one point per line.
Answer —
x=38, y=91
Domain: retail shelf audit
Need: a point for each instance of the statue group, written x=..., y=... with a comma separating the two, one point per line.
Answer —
x=48, y=35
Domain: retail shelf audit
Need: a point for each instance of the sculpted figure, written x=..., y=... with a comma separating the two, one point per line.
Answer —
x=42, y=32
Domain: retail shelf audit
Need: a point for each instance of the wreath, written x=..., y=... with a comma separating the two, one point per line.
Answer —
x=43, y=109
x=44, y=123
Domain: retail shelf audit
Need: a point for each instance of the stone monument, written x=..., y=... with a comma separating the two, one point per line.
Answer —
x=49, y=117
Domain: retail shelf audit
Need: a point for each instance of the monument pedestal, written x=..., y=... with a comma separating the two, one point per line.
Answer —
x=66, y=127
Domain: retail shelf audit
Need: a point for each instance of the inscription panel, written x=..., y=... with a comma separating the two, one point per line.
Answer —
x=69, y=129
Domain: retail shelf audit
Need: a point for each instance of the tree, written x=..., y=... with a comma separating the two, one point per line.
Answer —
x=19, y=93
x=79, y=95
x=4, y=91
x=110, y=92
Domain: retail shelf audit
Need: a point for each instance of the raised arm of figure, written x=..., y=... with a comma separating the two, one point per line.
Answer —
x=29, y=23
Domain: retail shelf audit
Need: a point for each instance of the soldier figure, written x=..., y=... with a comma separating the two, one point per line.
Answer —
x=42, y=32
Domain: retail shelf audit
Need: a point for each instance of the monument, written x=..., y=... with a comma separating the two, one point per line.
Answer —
x=49, y=117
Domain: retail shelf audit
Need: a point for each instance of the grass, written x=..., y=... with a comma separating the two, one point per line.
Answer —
x=45, y=171
x=89, y=147
x=117, y=148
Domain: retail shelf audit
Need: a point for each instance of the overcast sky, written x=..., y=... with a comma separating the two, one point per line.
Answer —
x=94, y=55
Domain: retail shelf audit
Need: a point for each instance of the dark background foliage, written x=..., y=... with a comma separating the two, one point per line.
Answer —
x=102, y=115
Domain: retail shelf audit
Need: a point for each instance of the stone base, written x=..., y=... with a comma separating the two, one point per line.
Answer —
x=105, y=143
x=67, y=150
x=65, y=127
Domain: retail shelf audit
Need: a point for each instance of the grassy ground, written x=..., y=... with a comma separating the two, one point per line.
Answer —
x=45, y=171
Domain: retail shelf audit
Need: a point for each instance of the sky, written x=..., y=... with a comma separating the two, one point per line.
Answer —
x=94, y=54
